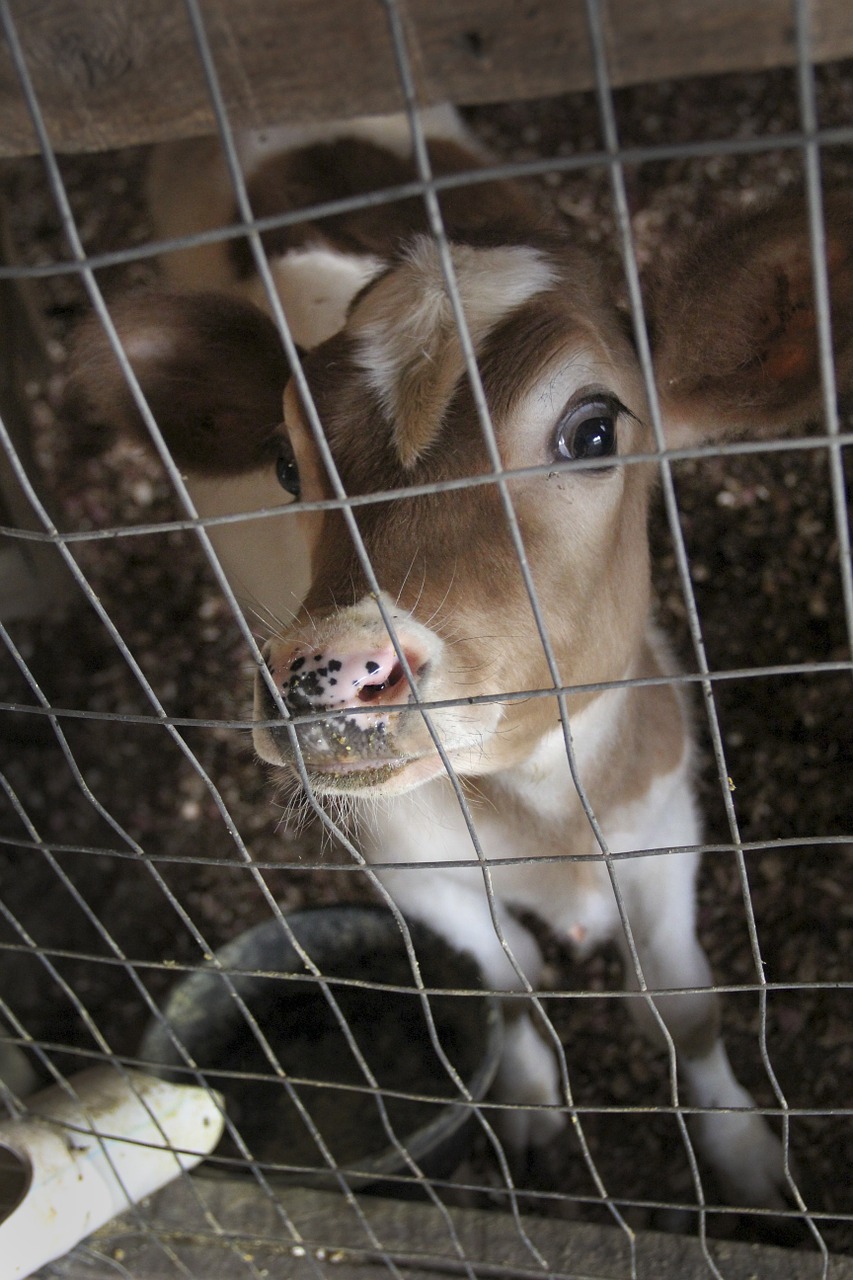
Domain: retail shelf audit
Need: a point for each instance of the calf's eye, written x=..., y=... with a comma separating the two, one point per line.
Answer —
x=588, y=430
x=287, y=473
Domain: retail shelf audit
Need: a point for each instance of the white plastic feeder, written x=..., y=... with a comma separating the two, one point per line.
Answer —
x=76, y=1161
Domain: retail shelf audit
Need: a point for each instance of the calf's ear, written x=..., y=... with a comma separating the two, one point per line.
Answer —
x=735, y=331
x=211, y=368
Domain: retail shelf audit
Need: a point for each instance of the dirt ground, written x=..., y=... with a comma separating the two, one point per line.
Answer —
x=763, y=547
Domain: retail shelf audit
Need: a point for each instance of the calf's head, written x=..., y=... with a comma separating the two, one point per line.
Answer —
x=399, y=413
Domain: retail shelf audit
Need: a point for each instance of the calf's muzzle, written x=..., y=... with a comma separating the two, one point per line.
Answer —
x=348, y=695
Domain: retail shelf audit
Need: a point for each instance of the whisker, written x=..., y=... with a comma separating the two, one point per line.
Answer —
x=266, y=621
x=404, y=583
x=443, y=600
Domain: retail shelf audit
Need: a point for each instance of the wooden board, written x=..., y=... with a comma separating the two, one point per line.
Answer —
x=229, y=1229
x=128, y=72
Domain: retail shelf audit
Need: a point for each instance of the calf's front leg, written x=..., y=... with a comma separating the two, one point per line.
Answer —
x=737, y=1143
x=528, y=1079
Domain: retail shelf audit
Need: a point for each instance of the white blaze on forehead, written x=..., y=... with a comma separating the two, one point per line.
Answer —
x=408, y=345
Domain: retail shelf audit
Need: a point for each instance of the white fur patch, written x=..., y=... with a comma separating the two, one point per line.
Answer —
x=265, y=559
x=142, y=344
x=545, y=778
x=393, y=132
x=316, y=286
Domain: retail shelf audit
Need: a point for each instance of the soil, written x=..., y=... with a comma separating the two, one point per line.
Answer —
x=96, y=909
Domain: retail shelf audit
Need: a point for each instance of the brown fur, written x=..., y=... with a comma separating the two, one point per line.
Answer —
x=735, y=320
x=192, y=341
x=347, y=167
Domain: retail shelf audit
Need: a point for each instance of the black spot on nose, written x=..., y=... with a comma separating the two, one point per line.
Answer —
x=297, y=664
x=334, y=665
x=370, y=667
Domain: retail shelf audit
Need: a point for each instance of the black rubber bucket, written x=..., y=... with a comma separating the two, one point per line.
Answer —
x=360, y=946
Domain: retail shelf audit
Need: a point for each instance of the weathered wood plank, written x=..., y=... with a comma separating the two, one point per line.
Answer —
x=252, y=1239
x=128, y=72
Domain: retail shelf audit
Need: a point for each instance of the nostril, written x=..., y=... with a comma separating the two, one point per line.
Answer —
x=312, y=680
x=370, y=692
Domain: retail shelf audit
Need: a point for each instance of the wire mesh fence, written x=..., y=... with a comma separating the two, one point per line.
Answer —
x=140, y=834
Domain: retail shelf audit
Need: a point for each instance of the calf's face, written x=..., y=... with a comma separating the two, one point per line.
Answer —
x=398, y=411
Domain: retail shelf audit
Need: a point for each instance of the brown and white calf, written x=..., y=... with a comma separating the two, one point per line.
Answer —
x=735, y=350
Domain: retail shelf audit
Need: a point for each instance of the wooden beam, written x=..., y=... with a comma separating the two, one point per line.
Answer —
x=302, y=1234
x=110, y=75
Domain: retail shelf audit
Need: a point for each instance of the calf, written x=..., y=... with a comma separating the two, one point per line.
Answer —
x=454, y=661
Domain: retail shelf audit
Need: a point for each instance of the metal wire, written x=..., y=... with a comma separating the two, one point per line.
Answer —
x=809, y=140
x=263, y=267
x=589, y=161
x=739, y=448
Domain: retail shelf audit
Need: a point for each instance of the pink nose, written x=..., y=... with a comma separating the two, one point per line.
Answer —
x=323, y=680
